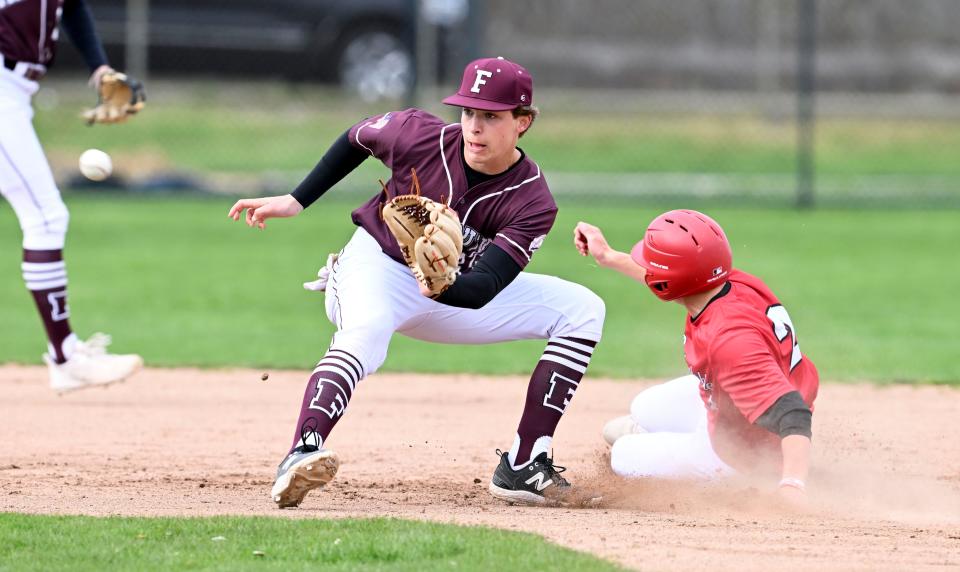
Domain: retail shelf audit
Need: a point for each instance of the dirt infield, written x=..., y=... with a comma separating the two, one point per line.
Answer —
x=885, y=488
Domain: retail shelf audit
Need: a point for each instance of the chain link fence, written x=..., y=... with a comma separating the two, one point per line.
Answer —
x=651, y=99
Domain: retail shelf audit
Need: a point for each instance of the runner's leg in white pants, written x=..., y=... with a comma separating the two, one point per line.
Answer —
x=676, y=443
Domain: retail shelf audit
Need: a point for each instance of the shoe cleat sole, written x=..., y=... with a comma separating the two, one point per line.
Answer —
x=526, y=498
x=309, y=473
x=62, y=390
x=512, y=497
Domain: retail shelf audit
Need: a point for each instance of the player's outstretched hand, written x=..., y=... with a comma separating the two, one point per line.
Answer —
x=259, y=210
x=589, y=240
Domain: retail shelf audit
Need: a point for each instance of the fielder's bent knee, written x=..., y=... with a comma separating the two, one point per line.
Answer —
x=596, y=307
x=367, y=344
x=47, y=231
x=584, y=315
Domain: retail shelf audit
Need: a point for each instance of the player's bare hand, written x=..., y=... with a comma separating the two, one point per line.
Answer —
x=424, y=290
x=259, y=210
x=97, y=75
x=588, y=239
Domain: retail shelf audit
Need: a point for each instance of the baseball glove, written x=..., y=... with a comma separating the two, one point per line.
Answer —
x=429, y=235
x=120, y=96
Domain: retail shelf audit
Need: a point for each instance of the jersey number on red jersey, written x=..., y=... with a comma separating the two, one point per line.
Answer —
x=783, y=327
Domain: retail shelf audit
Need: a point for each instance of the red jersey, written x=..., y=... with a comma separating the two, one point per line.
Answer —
x=743, y=348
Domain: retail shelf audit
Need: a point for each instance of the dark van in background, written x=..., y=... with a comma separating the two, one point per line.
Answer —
x=368, y=46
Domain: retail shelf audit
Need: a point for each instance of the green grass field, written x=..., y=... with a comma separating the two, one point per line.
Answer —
x=247, y=128
x=173, y=279
x=231, y=543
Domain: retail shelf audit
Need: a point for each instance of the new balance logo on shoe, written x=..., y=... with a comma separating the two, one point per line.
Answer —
x=539, y=479
x=538, y=483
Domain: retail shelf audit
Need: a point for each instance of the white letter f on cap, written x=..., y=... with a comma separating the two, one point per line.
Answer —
x=480, y=81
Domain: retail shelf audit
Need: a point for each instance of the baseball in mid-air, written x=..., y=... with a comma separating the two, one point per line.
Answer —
x=95, y=164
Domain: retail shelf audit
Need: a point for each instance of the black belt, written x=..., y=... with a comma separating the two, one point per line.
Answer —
x=30, y=73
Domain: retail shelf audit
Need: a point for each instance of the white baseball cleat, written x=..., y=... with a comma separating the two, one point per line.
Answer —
x=90, y=365
x=304, y=469
x=616, y=428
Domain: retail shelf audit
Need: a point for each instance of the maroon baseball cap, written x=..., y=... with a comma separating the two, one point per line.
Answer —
x=493, y=84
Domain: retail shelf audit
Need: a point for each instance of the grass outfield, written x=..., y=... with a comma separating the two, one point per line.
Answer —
x=30, y=542
x=173, y=279
x=256, y=128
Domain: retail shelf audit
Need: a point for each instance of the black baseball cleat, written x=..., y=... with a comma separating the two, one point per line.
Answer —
x=305, y=468
x=539, y=483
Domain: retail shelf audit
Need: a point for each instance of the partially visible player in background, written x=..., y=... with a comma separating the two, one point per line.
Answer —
x=29, y=30
x=748, y=404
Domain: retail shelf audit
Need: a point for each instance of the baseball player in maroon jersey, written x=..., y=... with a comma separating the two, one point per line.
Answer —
x=506, y=210
x=29, y=30
x=747, y=405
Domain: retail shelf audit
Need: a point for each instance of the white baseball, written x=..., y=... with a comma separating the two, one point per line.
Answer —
x=95, y=164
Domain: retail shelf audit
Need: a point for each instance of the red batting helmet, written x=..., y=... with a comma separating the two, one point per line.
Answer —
x=684, y=252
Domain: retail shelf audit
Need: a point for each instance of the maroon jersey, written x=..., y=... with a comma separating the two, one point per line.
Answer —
x=744, y=349
x=513, y=210
x=29, y=29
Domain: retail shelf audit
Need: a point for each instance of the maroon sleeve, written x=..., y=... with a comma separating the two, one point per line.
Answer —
x=379, y=134
x=527, y=231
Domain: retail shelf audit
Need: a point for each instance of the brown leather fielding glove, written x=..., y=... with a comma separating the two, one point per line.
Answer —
x=120, y=96
x=430, y=238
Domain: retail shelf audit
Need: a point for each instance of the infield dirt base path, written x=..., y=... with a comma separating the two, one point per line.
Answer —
x=885, y=489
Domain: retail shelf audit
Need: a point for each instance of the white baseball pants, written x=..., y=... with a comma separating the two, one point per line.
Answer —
x=25, y=177
x=676, y=443
x=370, y=296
